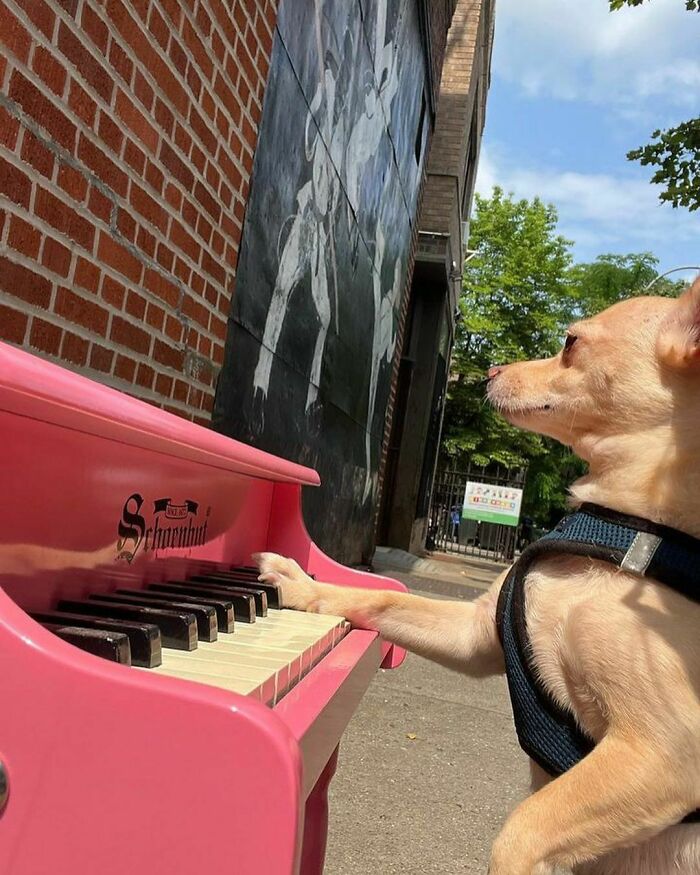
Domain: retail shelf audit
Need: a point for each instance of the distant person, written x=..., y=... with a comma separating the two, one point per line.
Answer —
x=455, y=519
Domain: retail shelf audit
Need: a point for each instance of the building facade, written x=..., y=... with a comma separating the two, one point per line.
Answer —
x=216, y=207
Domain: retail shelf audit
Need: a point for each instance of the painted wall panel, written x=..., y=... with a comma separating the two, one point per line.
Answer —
x=325, y=250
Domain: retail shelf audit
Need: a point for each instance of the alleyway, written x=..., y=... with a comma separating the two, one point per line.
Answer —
x=429, y=766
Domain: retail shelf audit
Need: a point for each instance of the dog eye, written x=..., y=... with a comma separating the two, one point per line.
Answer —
x=569, y=342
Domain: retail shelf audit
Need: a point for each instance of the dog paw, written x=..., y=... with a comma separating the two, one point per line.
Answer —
x=297, y=589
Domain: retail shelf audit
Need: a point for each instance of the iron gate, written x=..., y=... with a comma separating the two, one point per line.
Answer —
x=482, y=539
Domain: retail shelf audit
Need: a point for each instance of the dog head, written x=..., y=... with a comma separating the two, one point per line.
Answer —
x=631, y=369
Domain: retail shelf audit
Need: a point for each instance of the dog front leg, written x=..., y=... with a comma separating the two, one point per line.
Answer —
x=620, y=794
x=459, y=635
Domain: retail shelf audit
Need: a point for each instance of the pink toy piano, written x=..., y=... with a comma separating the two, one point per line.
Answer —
x=159, y=711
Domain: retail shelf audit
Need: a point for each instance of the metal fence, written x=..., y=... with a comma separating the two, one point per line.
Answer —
x=470, y=537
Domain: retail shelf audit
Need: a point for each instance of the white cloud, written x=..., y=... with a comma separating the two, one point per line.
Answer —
x=600, y=212
x=578, y=50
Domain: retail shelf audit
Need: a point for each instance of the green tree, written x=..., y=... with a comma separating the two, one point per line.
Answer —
x=517, y=300
x=675, y=151
x=611, y=278
x=519, y=292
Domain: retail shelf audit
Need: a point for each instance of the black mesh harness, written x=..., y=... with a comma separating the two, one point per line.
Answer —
x=548, y=733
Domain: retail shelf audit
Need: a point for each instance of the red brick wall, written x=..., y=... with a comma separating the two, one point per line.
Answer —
x=127, y=133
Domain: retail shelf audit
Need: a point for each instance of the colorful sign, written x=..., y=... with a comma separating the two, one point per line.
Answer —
x=492, y=504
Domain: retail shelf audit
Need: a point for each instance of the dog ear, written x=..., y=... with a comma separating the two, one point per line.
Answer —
x=678, y=344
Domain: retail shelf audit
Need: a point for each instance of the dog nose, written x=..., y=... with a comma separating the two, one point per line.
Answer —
x=493, y=372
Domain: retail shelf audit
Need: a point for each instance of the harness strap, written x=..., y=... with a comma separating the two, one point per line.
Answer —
x=547, y=731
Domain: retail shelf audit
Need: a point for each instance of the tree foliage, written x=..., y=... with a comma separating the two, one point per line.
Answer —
x=519, y=293
x=690, y=5
x=675, y=151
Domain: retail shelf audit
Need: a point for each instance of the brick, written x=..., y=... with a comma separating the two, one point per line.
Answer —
x=110, y=133
x=125, y=369
x=202, y=126
x=173, y=196
x=96, y=29
x=100, y=205
x=127, y=334
x=178, y=56
x=90, y=69
x=159, y=28
x=56, y=257
x=34, y=152
x=44, y=336
x=145, y=375
x=101, y=358
x=184, y=241
x=168, y=355
x=149, y=208
x=143, y=91
x=146, y=242
x=154, y=177
x=161, y=287
x=135, y=306
x=126, y=225
x=173, y=163
x=119, y=258
x=81, y=103
x=72, y=182
x=14, y=35
x=36, y=105
x=102, y=166
x=195, y=311
x=74, y=349
x=49, y=70
x=81, y=311
x=13, y=324
x=155, y=316
x=70, y=6
x=23, y=237
x=180, y=391
x=113, y=292
x=213, y=268
x=164, y=117
x=61, y=217
x=164, y=385
x=87, y=275
x=121, y=62
x=135, y=120
x=174, y=328
x=20, y=281
x=40, y=14
x=134, y=157
x=165, y=256
x=9, y=127
x=217, y=354
x=194, y=81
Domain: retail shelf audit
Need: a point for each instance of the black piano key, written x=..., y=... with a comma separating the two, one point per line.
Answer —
x=144, y=638
x=109, y=645
x=271, y=590
x=205, y=617
x=243, y=603
x=223, y=607
x=178, y=629
x=250, y=587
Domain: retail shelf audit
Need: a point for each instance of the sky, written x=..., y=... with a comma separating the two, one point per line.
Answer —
x=574, y=87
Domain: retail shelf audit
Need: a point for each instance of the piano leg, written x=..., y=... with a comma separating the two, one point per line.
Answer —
x=313, y=850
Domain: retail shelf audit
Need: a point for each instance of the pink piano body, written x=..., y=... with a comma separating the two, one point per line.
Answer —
x=112, y=769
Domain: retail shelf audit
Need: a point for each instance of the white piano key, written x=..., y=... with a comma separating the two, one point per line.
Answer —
x=264, y=659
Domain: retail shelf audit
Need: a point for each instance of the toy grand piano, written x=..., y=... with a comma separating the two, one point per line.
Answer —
x=159, y=711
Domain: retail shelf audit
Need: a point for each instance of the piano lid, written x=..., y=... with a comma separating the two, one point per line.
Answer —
x=32, y=387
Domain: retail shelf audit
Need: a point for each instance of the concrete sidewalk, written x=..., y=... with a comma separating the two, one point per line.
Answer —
x=429, y=766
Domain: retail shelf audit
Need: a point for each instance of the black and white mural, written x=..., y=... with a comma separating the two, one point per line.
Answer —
x=325, y=251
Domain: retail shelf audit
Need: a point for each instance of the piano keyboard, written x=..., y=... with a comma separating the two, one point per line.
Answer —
x=222, y=628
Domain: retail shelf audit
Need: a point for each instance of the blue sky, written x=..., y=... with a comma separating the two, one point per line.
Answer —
x=573, y=88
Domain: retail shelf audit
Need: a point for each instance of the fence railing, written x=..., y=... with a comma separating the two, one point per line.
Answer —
x=449, y=532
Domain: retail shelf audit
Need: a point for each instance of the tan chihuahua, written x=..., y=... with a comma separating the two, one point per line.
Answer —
x=620, y=652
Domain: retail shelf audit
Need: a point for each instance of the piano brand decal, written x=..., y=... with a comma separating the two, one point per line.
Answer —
x=135, y=533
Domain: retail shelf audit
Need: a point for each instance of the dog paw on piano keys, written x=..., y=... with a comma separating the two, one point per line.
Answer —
x=298, y=590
